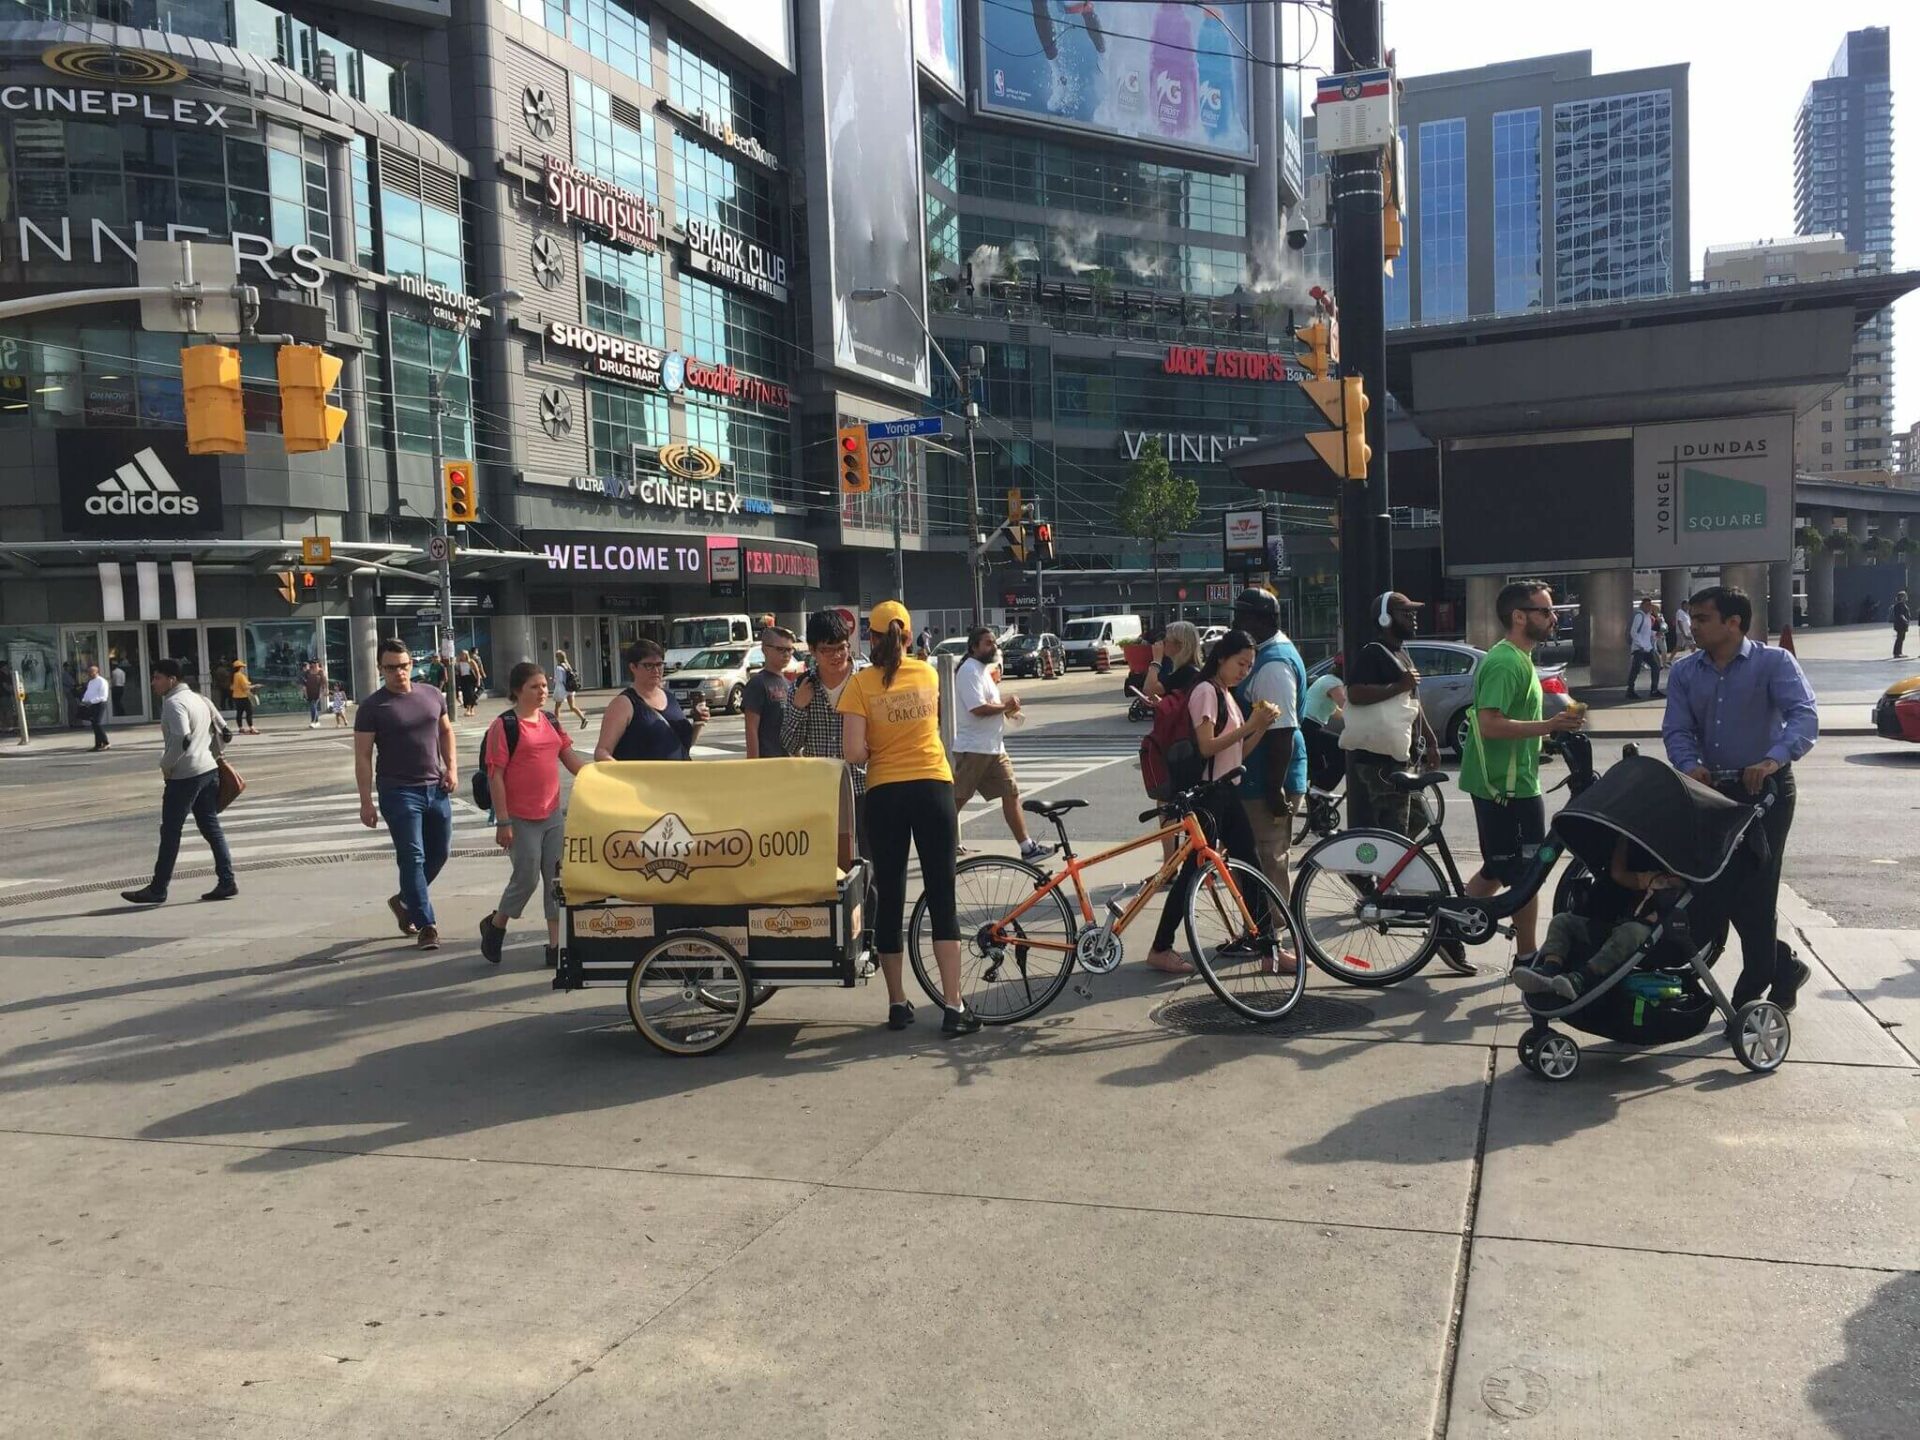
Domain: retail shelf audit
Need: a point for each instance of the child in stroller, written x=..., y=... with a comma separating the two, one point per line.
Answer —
x=1620, y=919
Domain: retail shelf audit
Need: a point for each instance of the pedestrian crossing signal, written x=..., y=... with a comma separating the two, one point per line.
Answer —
x=855, y=479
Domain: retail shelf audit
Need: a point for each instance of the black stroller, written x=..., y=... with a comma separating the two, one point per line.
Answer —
x=1665, y=992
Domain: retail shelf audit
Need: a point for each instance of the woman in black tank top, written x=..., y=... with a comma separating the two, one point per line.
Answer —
x=645, y=722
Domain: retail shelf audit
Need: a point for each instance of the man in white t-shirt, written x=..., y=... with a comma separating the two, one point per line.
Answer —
x=980, y=764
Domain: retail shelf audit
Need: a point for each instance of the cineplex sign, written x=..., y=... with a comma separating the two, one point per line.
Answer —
x=631, y=362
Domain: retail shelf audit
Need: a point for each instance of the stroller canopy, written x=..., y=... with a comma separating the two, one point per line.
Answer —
x=1690, y=830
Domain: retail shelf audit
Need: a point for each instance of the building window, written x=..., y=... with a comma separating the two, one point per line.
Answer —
x=609, y=31
x=758, y=448
x=1613, y=206
x=1443, y=220
x=419, y=352
x=625, y=295
x=1516, y=211
x=613, y=149
x=708, y=185
x=697, y=84
x=421, y=238
x=621, y=419
x=726, y=327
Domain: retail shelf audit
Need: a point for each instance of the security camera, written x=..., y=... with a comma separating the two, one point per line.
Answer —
x=1297, y=239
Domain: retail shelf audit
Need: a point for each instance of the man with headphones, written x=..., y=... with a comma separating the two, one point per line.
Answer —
x=1385, y=729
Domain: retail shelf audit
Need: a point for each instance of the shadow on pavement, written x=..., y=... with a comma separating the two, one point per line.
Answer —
x=1865, y=1395
x=1888, y=759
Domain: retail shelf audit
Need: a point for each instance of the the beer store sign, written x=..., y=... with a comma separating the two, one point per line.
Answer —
x=720, y=130
x=607, y=209
x=735, y=260
x=613, y=356
x=1231, y=364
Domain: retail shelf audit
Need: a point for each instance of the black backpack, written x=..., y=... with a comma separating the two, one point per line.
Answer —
x=482, y=790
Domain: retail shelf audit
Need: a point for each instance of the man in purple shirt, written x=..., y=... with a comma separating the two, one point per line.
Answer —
x=1739, y=713
x=403, y=747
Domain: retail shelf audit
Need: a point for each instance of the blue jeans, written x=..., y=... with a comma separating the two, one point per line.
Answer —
x=313, y=711
x=420, y=819
x=198, y=796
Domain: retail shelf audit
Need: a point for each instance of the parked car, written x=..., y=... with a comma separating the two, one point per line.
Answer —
x=1447, y=668
x=1897, y=713
x=1083, y=638
x=1209, y=634
x=954, y=645
x=1020, y=656
x=718, y=676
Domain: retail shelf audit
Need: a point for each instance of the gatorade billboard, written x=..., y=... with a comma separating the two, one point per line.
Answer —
x=1166, y=74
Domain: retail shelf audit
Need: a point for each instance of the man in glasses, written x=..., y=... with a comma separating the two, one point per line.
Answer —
x=765, y=700
x=414, y=774
x=1500, y=762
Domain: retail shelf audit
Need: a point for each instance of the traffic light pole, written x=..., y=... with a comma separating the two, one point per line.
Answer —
x=437, y=407
x=1358, y=194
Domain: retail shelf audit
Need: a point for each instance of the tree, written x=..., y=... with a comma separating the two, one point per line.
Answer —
x=1155, y=505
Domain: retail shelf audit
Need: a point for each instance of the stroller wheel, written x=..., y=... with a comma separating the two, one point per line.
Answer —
x=1762, y=1035
x=1556, y=1057
x=1530, y=1048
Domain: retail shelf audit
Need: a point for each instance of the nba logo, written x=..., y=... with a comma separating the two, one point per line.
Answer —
x=999, y=82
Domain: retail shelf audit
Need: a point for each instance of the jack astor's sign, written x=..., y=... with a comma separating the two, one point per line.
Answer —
x=600, y=205
x=1231, y=364
x=735, y=260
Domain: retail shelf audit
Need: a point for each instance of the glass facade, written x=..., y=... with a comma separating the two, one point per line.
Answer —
x=1613, y=197
x=1516, y=211
x=420, y=351
x=709, y=186
x=626, y=294
x=421, y=238
x=1443, y=220
x=610, y=148
x=622, y=418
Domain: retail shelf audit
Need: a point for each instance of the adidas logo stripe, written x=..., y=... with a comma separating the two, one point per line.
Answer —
x=143, y=486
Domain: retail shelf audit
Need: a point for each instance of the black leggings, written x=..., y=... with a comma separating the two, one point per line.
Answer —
x=1229, y=827
x=243, y=712
x=920, y=811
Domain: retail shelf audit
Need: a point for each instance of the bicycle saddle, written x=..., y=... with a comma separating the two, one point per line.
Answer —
x=1051, y=810
x=1409, y=780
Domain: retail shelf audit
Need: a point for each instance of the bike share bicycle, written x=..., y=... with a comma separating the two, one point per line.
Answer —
x=1020, y=939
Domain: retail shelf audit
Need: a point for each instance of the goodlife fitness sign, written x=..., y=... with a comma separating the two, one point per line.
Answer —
x=616, y=214
x=1231, y=364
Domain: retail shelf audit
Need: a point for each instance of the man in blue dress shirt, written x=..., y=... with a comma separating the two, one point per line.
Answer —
x=1740, y=709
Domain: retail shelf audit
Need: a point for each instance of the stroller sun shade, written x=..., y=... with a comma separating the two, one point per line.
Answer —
x=1690, y=830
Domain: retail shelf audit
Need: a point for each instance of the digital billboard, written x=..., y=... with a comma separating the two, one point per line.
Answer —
x=1165, y=74
x=936, y=40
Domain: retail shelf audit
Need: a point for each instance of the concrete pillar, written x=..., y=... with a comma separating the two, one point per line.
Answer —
x=1751, y=578
x=1606, y=600
x=1676, y=583
x=1780, y=594
x=1860, y=525
x=1820, y=588
x=1483, y=625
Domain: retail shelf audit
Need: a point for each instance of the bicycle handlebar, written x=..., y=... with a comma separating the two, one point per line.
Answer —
x=1187, y=799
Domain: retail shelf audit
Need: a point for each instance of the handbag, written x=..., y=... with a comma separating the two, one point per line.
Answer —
x=1382, y=729
x=232, y=786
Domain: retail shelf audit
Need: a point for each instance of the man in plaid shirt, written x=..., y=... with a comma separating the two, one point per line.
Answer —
x=811, y=724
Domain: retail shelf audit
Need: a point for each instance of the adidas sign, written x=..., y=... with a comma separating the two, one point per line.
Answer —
x=143, y=486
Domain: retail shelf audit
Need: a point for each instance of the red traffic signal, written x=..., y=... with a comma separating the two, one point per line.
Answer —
x=854, y=476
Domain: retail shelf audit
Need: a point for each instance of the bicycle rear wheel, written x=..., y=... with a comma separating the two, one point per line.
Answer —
x=1348, y=922
x=1000, y=983
x=1238, y=954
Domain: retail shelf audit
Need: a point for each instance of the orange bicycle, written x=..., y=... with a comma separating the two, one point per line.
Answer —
x=1019, y=938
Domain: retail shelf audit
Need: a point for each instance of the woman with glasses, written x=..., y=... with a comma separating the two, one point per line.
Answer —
x=645, y=722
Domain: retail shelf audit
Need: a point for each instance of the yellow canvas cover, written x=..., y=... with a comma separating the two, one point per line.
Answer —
x=707, y=832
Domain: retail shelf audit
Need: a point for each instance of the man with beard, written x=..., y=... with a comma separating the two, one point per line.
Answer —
x=1384, y=721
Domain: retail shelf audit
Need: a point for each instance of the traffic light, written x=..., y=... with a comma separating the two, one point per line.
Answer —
x=1317, y=357
x=288, y=591
x=463, y=503
x=1043, y=542
x=307, y=421
x=216, y=415
x=1016, y=531
x=854, y=477
x=1344, y=448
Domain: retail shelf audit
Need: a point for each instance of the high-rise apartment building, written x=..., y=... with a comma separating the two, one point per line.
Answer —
x=1843, y=185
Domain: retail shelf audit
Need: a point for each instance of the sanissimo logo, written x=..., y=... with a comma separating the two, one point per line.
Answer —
x=143, y=486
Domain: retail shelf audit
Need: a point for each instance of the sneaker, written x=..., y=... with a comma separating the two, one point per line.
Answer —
x=1453, y=952
x=399, y=909
x=900, y=1016
x=1570, y=985
x=314, y=724
x=956, y=1022
x=1786, y=992
x=225, y=890
x=1535, y=980
x=492, y=937
x=1034, y=850
x=145, y=895
x=427, y=938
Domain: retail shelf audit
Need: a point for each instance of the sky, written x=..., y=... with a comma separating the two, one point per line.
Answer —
x=1751, y=63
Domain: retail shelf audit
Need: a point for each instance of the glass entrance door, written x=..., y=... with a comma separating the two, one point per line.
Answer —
x=223, y=648
x=182, y=643
x=79, y=648
x=126, y=672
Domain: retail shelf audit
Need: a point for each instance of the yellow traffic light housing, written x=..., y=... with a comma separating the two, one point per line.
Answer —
x=1344, y=448
x=307, y=421
x=289, y=592
x=855, y=478
x=1317, y=358
x=463, y=501
x=1016, y=532
x=216, y=414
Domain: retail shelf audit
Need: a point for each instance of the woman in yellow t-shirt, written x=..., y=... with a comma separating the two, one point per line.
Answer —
x=240, y=687
x=890, y=714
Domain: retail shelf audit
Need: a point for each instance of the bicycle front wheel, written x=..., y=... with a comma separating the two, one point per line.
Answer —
x=1351, y=918
x=1000, y=981
x=1241, y=942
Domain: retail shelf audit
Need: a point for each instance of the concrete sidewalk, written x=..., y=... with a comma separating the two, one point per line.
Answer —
x=270, y=1172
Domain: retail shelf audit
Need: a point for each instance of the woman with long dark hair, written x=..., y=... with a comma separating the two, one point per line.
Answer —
x=890, y=714
x=1219, y=733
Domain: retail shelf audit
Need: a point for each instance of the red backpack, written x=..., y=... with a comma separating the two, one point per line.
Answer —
x=1170, y=758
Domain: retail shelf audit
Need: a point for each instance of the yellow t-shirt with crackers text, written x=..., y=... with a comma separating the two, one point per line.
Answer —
x=903, y=722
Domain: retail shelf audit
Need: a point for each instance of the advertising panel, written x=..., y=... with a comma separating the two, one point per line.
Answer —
x=936, y=40
x=1713, y=491
x=136, y=485
x=1165, y=74
x=1243, y=541
x=763, y=24
x=874, y=227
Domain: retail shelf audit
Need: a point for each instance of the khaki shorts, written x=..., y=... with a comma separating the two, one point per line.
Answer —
x=990, y=776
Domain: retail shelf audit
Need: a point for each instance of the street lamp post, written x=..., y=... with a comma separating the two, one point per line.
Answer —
x=437, y=408
x=976, y=360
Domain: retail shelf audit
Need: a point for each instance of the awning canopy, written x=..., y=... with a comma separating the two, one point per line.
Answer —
x=53, y=559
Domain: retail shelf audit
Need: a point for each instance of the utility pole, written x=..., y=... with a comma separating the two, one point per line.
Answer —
x=1357, y=191
x=437, y=407
x=976, y=547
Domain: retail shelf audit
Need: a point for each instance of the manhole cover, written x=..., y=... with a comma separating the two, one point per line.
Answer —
x=1203, y=1014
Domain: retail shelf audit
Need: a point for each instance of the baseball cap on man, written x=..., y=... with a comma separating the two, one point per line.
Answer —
x=1380, y=611
x=885, y=613
x=1256, y=602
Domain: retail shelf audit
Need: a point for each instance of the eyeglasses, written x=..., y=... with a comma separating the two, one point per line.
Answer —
x=397, y=665
x=778, y=649
x=653, y=664
x=1534, y=609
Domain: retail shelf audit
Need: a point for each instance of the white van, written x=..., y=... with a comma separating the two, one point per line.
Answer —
x=1083, y=637
x=687, y=637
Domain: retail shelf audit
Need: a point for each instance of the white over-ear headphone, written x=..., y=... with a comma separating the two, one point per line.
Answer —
x=1385, y=618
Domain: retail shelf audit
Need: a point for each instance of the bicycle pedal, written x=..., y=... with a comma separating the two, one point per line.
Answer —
x=1505, y=930
x=1082, y=991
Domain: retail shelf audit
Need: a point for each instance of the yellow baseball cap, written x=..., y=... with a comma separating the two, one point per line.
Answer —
x=885, y=613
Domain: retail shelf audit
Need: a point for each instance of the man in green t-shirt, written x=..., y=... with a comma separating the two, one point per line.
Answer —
x=1500, y=763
